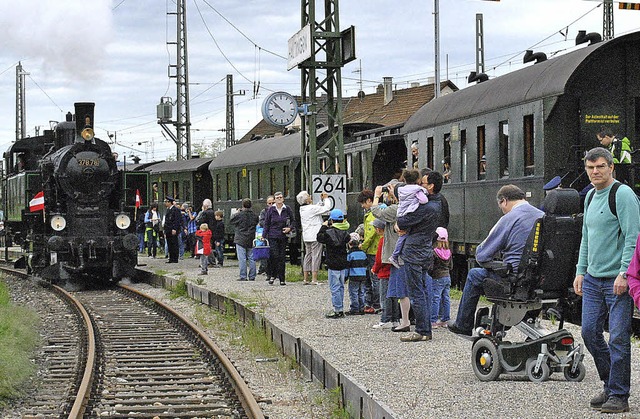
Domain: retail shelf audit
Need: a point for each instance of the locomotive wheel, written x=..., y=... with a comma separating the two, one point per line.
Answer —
x=485, y=360
x=543, y=373
x=575, y=376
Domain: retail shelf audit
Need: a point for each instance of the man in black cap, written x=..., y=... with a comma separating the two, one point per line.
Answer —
x=172, y=223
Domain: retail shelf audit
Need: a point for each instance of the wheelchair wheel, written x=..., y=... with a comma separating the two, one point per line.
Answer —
x=541, y=375
x=575, y=376
x=485, y=360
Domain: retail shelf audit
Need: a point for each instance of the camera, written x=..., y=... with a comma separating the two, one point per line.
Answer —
x=385, y=189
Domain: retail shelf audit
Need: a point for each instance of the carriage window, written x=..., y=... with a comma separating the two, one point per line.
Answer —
x=503, y=142
x=165, y=189
x=285, y=188
x=349, y=166
x=430, y=152
x=218, y=188
x=323, y=164
x=228, y=191
x=528, y=145
x=482, y=157
x=363, y=169
x=250, y=184
x=447, y=147
x=186, y=187
x=463, y=155
x=272, y=178
x=239, y=185
x=260, y=195
x=176, y=189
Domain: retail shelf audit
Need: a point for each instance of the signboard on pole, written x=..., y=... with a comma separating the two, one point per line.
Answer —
x=333, y=185
x=299, y=47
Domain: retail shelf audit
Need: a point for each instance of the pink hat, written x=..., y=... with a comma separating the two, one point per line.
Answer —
x=443, y=235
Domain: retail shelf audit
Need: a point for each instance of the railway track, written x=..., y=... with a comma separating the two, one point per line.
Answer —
x=136, y=358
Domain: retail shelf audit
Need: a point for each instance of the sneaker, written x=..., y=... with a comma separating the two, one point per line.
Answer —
x=383, y=325
x=455, y=329
x=415, y=337
x=394, y=262
x=241, y=279
x=434, y=325
x=283, y=283
x=270, y=281
x=615, y=404
x=377, y=310
x=369, y=310
x=597, y=401
x=441, y=324
x=335, y=315
x=351, y=313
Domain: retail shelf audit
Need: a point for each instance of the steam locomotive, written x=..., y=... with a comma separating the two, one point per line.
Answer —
x=69, y=207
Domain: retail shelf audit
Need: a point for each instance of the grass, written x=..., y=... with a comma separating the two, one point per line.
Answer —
x=18, y=340
x=180, y=290
x=293, y=273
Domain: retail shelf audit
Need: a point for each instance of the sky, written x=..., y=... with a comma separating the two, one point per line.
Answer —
x=115, y=53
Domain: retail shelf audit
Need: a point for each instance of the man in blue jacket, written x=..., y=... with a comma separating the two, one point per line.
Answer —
x=417, y=254
x=507, y=237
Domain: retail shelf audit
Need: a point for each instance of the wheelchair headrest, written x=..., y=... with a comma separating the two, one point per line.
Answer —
x=562, y=202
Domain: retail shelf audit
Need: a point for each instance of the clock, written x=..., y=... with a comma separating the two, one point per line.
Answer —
x=280, y=109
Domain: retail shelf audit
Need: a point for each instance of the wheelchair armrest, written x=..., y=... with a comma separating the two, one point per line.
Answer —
x=499, y=267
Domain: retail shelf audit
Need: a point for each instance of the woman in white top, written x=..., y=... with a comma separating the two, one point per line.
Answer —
x=311, y=220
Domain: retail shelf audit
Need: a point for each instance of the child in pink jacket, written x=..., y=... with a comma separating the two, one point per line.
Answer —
x=633, y=275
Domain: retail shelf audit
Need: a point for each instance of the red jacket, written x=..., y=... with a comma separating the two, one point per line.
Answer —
x=382, y=270
x=203, y=242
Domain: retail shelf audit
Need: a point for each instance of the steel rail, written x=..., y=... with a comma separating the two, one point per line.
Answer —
x=84, y=390
x=248, y=401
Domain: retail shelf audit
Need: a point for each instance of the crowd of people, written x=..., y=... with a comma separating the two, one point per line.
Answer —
x=397, y=263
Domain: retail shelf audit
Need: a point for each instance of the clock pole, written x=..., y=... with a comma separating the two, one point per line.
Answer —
x=327, y=56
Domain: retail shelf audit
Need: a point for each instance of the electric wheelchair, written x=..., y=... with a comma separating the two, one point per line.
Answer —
x=542, y=284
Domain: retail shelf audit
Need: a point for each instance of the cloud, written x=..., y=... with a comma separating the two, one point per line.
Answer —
x=68, y=37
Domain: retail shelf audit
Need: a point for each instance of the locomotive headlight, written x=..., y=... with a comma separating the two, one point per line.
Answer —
x=123, y=221
x=87, y=134
x=58, y=223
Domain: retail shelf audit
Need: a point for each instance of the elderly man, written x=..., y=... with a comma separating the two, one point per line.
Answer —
x=507, y=237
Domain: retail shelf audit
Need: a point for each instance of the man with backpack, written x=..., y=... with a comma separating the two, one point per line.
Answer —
x=609, y=233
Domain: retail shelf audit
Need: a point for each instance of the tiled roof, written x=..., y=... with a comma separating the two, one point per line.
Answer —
x=371, y=108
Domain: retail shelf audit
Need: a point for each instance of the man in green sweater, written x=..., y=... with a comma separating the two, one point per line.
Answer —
x=608, y=242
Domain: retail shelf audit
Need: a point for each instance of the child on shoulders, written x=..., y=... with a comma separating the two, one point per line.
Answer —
x=409, y=196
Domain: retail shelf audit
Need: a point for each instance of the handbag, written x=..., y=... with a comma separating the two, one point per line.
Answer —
x=260, y=249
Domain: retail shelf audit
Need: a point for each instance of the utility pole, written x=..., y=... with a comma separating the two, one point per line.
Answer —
x=436, y=25
x=607, y=20
x=326, y=40
x=182, y=138
x=479, y=44
x=230, y=129
x=21, y=107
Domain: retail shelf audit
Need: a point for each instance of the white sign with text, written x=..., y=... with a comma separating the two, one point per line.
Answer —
x=333, y=185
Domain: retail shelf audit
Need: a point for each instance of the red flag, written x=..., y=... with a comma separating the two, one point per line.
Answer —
x=37, y=203
x=138, y=198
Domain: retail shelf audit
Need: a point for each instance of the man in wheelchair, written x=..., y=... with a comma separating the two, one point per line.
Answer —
x=508, y=238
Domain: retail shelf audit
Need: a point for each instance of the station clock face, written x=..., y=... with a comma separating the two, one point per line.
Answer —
x=280, y=109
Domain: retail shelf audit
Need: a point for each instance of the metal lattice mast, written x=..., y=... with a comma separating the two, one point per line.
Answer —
x=183, y=120
x=607, y=20
x=326, y=55
x=21, y=108
x=479, y=44
x=230, y=129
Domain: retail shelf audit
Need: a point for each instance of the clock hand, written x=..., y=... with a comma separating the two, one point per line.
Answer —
x=278, y=106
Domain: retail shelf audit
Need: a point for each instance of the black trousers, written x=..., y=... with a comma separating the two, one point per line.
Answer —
x=172, y=243
x=277, y=258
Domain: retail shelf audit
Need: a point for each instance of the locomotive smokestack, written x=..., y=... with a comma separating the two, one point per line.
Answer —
x=84, y=115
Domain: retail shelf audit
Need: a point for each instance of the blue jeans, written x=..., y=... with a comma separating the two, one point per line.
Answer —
x=473, y=289
x=613, y=360
x=219, y=251
x=181, y=244
x=419, y=285
x=140, y=242
x=244, y=255
x=441, y=305
x=372, y=285
x=336, y=286
x=356, y=295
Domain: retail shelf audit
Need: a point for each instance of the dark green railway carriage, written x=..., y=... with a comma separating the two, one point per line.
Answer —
x=531, y=125
x=184, y=180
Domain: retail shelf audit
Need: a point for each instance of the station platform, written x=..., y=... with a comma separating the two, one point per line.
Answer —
x=383, y=376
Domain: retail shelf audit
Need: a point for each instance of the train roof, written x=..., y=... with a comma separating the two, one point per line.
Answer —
x=544, y=79
x=264, y=150
x=179, y=166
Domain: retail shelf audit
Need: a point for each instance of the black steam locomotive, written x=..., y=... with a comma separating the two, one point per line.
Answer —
x=69, y=207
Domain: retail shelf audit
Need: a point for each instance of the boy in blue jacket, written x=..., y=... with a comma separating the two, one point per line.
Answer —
x=334, y=235
x=357, y=275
